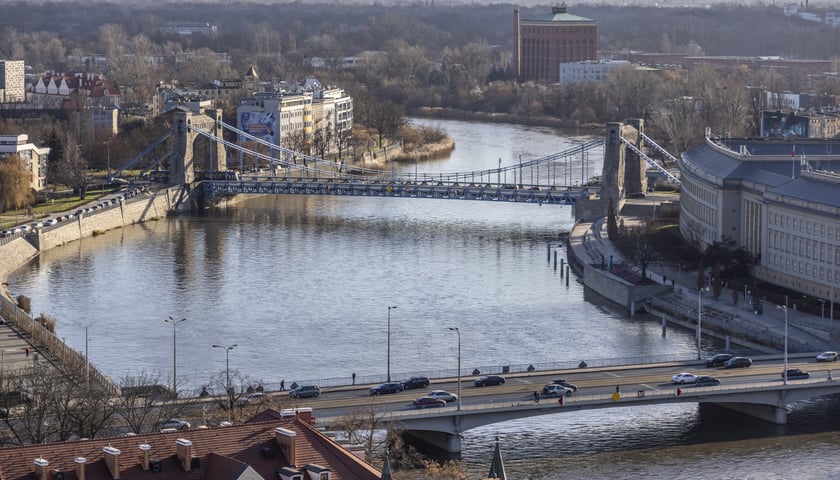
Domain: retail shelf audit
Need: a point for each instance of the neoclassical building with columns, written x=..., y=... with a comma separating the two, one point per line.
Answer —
x=780, y=200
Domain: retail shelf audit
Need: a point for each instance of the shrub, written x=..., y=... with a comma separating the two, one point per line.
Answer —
x=24, y=303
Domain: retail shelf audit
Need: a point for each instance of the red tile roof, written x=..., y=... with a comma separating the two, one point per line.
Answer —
x=223, y=453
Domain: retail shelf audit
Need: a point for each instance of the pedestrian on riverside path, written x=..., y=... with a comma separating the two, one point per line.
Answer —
x=354, y=378
x=282, y=385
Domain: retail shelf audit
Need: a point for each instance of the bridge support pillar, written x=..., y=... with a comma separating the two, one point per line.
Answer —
x=443, y=441
x=768, y=413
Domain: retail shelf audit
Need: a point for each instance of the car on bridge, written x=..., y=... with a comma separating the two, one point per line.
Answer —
x=304, y=391
x=683, y=378
x=443, y=395
x=428, y=402
x=706, y=381
x=556, y=390
x=718, y=360
x=416, y=382
x=560, y=381
x=252, y=399
x=392, y=387
x=827, y=357
x=796, y=374
x=738, y=362
x=489, y=380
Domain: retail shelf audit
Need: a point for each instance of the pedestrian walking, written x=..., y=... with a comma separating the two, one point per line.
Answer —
x=536, y=397
x=354, y=378
x=27, y=351
x=282, y=385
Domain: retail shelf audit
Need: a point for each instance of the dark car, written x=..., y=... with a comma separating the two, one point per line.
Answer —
x=428, y=402
x=718, y=360
x=489, y=380
x=796, y=374
x=706, y=381
x=560, y=381
x=305, y=391
x=416, y=382
x=386, y=388
x=737, y=362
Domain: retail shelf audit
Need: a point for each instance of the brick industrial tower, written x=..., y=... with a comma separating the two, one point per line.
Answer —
x=540, y=45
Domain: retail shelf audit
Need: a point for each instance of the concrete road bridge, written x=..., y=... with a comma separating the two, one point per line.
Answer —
x=758, y=391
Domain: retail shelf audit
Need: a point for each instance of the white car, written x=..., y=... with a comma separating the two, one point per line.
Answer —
x=827, y=357
x=443, y=395
x=555, y=389
x=684, y=377
x=251, y=399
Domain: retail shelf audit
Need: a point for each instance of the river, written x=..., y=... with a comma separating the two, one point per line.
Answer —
x=302, y=285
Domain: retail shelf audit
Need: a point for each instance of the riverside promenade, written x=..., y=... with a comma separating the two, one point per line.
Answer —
x=721, y=318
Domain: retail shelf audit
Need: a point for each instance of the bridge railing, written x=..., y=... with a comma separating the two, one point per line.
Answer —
x=469, y=373
x=678, y=393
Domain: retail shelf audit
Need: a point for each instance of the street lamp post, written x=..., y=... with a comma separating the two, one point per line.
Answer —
x=174, y=353
x=699, y=319
x=785, y=371
x=227, y=375
x=459, y=365
x=388, y=358
x=822, y=309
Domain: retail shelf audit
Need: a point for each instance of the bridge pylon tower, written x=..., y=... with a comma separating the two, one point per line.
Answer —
x=182, y=161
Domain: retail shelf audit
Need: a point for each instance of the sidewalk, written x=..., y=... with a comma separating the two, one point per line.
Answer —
x=805, y=332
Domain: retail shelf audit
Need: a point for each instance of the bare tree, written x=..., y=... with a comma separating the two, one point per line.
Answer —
x=72, y=168
x=639, y=242
x=136, y=403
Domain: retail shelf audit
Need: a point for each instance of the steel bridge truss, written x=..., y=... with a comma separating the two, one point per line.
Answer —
x=306, y=174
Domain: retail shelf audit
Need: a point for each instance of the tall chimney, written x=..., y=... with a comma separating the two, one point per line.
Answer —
x=41, y=466
x=145, y=456
x=517, y=47
x=184, y=452
x=112, y=459
x=80, y=467
x=286, y=440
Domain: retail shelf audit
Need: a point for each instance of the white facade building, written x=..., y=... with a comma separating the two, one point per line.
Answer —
x=12, y=81
x=33, y=157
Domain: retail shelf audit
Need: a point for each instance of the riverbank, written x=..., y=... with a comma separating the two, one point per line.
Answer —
x=540, y=121
x=592, y=255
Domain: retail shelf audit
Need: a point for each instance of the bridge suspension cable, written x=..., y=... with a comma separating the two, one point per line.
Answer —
x=140, y=155
x=650, y=161
x=321, y=167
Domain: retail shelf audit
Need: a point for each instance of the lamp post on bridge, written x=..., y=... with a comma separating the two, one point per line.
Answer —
x=458, y=403
x=785, y=371
x=174, y=353
x=699, y=319
x=388, y=358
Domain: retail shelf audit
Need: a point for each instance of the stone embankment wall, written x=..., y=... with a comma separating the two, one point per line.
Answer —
x=16, y=253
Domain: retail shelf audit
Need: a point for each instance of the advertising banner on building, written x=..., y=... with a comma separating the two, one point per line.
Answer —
x=783, y=125
x=262, y=125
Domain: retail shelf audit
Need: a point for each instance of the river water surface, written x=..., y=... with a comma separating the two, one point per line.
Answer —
x=301, y=285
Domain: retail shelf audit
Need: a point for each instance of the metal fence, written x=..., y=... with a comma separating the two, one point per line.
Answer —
x=46, y=343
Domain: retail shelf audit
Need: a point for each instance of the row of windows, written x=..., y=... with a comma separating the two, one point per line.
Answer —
x=699, y=210
x=805, y=269
x=697, y=191
x=805, y=226
x=803, y=247
x=558, y=31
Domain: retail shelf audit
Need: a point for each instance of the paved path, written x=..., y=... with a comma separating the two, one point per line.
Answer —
x=806, y=332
